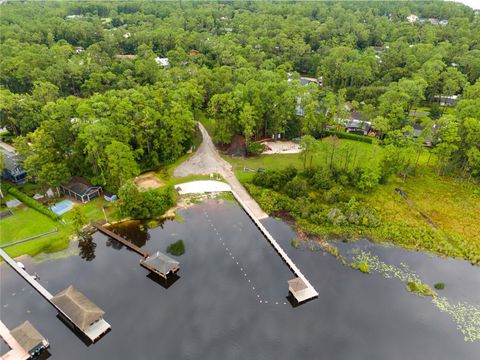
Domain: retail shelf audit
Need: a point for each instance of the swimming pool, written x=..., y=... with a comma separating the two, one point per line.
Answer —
x=62, y=207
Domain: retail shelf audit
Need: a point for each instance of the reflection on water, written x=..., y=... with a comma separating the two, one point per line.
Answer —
x=86, y=247
x=229, y=301
x=132, y=230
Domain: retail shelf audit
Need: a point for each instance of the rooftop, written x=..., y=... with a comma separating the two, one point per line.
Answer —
x=160, y=263
x=27, y=336
x=78, y=307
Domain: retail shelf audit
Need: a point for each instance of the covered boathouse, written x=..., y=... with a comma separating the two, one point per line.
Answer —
x=160, y=264
x=30, y=339
x=83, y=313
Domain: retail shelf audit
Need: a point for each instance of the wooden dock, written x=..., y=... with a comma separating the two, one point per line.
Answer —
x=305, y=290
x=121, y=240
x=16, y=351
x=308, y=292
x=92, y=334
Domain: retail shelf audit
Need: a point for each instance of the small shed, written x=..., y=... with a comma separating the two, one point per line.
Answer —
x=78, y=308
x=30, y=339
x=160, y=264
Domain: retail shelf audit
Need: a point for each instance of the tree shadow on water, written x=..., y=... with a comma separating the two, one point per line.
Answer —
x=87, y=246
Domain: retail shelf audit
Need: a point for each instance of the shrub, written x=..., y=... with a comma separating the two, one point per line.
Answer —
x=322, y=179
x=255, y=149
x=296, y=188
x=334, y=195
x=144, y=205
x=32, y=203
x=177, y=248
x=345, y=135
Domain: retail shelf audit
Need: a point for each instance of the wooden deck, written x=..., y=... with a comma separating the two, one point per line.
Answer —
x=16, y=351
x=48, y=296
x=121, y=240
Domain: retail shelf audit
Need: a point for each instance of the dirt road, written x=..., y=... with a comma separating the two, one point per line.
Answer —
x=207, y=161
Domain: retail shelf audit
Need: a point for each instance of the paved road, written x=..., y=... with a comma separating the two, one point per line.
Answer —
x=207, y=161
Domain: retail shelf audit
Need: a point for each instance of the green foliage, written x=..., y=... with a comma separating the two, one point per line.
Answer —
x=32, y=203
x=255, y=149
x=361, y=266
x=420, y=289
x=294, y=243
x=349, y=136
x=177, y=248
x=145, y=205
x=78, y=218
x=439, y=286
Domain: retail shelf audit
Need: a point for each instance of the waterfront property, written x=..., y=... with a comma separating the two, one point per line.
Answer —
x=70, y=303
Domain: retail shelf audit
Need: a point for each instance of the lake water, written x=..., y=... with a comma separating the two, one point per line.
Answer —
x=218, y=309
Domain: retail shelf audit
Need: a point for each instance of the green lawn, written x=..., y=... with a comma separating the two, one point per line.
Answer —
x=27, y=222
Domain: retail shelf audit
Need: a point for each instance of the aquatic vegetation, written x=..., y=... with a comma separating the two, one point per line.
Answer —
x=177, y=248
x=466, y=316
x=361, y=266
x=420, y=289
x=439, y=286
x=294, y=243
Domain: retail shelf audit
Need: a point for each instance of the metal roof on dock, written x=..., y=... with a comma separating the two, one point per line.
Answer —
x=160, y=263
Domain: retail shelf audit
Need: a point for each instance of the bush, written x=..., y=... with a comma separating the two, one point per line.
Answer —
x=295, y=188
x=32, y=203
x=275, y=179
x=255, y=149
x=322, y=179
x=145, y=205
x=177, y=248
x=345, y=135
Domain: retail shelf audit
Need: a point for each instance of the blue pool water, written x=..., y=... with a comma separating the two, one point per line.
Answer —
x=62, y=207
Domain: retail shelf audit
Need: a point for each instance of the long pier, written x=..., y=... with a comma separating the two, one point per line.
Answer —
x=16, y=351
x=308, y=291
x=121, y=240
x=93, y=333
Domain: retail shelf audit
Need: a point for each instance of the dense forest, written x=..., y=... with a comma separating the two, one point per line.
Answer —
x=86, y=87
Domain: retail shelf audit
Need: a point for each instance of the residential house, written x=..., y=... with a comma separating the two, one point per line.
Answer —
x=13, y=170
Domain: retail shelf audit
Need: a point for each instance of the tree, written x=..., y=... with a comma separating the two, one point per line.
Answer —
x=309, y=146
x=121, y=164
x=78, y=219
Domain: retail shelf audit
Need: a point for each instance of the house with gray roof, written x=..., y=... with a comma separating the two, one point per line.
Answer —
x=12, y=168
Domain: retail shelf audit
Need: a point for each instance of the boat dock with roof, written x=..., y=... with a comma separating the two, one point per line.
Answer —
x=71, y=304
x=24, y=341
x=157, y=263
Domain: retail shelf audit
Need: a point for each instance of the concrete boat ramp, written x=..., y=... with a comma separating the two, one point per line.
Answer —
x=299, y=287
